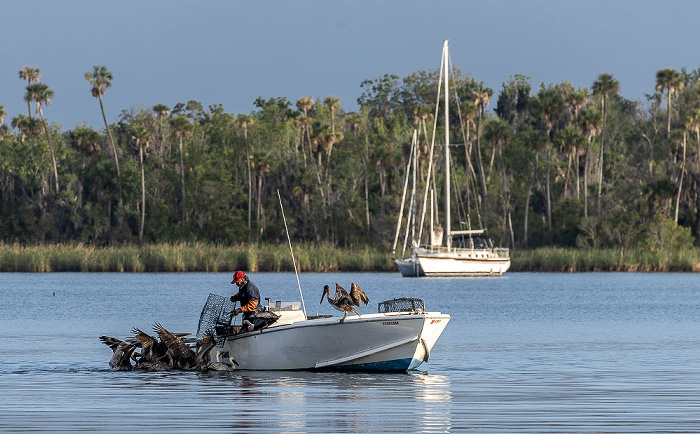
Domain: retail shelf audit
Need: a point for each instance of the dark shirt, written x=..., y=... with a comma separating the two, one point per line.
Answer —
x=247, y=294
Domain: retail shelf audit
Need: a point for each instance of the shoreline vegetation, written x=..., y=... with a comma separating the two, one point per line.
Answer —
x=201, y=257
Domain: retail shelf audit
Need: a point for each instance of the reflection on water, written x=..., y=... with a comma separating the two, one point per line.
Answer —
x=434, y=396
x=525, y=353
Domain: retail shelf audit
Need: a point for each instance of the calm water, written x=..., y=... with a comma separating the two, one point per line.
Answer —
x=528, y=352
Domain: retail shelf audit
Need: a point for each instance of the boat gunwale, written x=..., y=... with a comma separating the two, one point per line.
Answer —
x=316, y=322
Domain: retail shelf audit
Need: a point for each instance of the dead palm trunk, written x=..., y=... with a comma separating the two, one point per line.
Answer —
x=366, y=182
x=250, y=177
x=680, y=182
x=600, y=160
x=527, y=199
x=53, y=155
x=143, y=194
x=183, y=218
x=111, y=139
x=585, y=177
x=549, y=195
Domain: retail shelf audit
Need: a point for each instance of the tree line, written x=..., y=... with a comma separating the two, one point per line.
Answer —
x=552, y=165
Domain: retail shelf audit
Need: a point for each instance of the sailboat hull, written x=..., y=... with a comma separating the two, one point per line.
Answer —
x=409, y=267
x=462, y=264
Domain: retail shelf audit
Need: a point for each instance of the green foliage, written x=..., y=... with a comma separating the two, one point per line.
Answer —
x=521, y=156
x=663, y=234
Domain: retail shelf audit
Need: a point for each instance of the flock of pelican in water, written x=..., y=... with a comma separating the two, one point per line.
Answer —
x=169, y=351
x=175, y=351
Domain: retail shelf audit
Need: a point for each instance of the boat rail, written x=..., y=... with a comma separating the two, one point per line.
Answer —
x=498, y=252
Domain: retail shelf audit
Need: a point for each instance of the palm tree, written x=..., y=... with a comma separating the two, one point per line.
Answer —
x=182, y=128
x=304, y=124
x=694, y=120
x=590, y=122
x=549, y=106
x=41, y=94
x=305, y=104
x=681, y=175
x=142, y=139
x=576, y=100
x=332, y=104
x=497, y=132
x=26, y=127
x=570, y=142
x=467, y=113
x=605, y=86
x=4, y=129
x=101, y=79
x=354, y=123
x=32, y=75
x=672, y=81
x=481, y=99
x=161, y=111
x=244, y=122
x=534, y=140
x=86, y=141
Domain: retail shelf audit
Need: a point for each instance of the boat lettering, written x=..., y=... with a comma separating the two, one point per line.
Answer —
x=435, y=321
x=390, y=323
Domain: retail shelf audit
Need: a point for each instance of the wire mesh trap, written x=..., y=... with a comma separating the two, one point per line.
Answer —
x=401, y=305
x=216, y=315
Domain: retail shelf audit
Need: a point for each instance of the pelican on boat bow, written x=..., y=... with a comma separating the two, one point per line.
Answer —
x=399, y=337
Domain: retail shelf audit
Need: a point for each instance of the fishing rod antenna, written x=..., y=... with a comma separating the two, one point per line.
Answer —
x=286, y=230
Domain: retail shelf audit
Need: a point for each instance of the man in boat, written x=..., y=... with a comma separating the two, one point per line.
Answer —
x=249, y=297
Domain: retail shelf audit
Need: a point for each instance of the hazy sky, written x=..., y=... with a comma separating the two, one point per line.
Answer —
x=231, y=52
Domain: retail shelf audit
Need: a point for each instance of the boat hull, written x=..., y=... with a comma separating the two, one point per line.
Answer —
x=409, y=267
x=454, y=265
x=397, y=341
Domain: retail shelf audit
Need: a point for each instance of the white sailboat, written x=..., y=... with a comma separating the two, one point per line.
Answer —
x=467, y=252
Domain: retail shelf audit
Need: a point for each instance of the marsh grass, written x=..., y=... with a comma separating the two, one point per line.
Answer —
x=560, y=259
x=186, y=257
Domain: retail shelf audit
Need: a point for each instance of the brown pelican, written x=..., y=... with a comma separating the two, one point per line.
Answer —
x=343, y=301
x=181, y=355
x=151, y=349
x=357, y=295
x=203, y=357
x=222, y=366
x=123, y=352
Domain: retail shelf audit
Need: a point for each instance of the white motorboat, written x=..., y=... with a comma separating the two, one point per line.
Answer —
x=464, y=252
x=399, y=337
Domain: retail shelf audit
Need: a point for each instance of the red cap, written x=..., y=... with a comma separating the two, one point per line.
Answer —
x=238, y=275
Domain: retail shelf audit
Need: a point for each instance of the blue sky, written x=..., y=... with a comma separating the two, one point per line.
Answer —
x=232, y=52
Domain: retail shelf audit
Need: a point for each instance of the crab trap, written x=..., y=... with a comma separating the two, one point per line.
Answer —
x=216, y=315
x=401, y=305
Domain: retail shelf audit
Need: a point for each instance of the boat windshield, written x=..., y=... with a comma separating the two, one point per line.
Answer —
x=480, y=241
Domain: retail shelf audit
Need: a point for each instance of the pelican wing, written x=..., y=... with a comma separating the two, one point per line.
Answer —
x=339, y=290
x=121, y=359
x=358, y=294
x=145, y=340
x=182, y=354
x=111, y=342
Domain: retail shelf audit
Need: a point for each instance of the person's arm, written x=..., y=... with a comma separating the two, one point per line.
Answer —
x=250, y=306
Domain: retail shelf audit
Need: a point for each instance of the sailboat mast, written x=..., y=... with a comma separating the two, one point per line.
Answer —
x=448, y=235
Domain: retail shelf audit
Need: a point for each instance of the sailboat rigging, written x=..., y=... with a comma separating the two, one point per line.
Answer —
x=463, y=252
